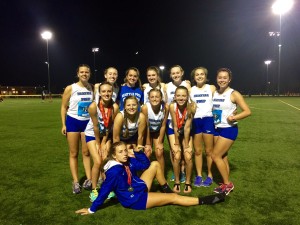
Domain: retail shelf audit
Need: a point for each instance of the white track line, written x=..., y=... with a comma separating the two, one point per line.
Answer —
x=289, y=105
x=278, y=110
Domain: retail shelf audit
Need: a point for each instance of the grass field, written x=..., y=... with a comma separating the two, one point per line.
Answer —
x=35, y=181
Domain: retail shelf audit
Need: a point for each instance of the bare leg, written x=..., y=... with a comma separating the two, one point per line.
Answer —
x=188, y=167
x=96, y=163
x=222, y=146
x=176, y=162
x=86, y=157
x=198, y=146
x=159, y=153
x=154, y=171
x=209, y=144
x=73, y=141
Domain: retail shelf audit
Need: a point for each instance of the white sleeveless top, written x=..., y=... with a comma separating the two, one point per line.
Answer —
x=132, y=128
x=147, y=89
x=180, y=117
x=155, y=120
x=79, y=102
x=203, y=98
x=222, y=108
x=89, y=130
x=170, y=91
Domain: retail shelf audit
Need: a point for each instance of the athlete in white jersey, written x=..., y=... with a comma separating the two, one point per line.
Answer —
x=224, y=104
x=156, y=112
x=154, y=80
x=203, y=124
x=182, y=111
x=98, y=131
x=176, y=74
x=111, y=76
x=74, y=116
x=130, y=125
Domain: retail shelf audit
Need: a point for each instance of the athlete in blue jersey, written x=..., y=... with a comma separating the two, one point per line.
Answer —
x=133, y=191
x=132, y=87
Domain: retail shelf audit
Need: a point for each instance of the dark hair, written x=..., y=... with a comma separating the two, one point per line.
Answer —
x=111, y=152
x=225, y=70
x=82, y=65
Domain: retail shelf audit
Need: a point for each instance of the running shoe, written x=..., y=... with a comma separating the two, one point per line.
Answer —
x=76, y=188
x=182, y=177
x=93, y=195
x=208, y=181
x=229, y=188
x=172, y=177
x=111, y=195
x=198, y=181
x=220, y=189
x=87, y=184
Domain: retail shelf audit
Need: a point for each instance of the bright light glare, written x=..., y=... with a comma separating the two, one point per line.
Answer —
x=46, y=35
x=282, y=6
x=95, y=49
x=267, y=62
x=162, y=67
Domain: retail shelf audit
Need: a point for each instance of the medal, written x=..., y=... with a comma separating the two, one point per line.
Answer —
x=130, y=189
x=128, y=177
x=180, y=121
x=105, y=116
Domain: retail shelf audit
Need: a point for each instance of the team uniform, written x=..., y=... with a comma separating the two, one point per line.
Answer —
x=170, y=91
x=132, y=130
x=222, y=108
x=203, y=121
x=132, y=196
x=77, y=114
x=155, y=120
x=148, y=88
x=180, y=117
x=89, y=130
x=126, y=91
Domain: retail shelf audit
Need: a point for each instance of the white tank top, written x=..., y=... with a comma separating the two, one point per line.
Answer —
x=147, y=89
x=114, y=94
x=203, y=98
x=222, y=108
x=180, y=117
x=170, y=91
x=155, y=120
x=89, y=130
x=79, y=102
x=132, y=128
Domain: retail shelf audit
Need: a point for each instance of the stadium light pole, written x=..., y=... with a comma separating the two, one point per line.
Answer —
x=162, y=71
x=47, y=35
x=268, y=62
x=280, y=7
x=95, y=50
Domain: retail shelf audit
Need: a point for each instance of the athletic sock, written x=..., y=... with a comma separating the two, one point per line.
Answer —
x=212, y=199
x=166, y=189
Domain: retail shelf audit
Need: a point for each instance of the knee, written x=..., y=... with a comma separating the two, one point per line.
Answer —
x=155, y=164
x=188, y=156
x=198, y=152
x=159, y=152
x=73, y=154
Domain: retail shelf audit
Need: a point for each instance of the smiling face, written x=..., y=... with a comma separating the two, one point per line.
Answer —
x=111, y=75
x=181, y=96
x=155, y=97
x=176, y=74
x=132, y=77
x=84, y=74
x=106, y=92
x=223, y=79
x=131, y=105
x=152, y=77
x=121, y=154
x=200, y=77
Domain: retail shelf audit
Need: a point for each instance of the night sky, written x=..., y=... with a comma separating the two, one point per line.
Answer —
x=209, y=33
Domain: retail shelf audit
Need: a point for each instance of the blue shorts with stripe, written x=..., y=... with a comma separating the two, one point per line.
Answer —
x=75, y=125
x=227, y=132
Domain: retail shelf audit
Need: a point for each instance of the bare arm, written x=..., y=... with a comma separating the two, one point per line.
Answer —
x=163, y=125
x=141, y=129
x=64, y=108
x=237, y=98
x=118, y=123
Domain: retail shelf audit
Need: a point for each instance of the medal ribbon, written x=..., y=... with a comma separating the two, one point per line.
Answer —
x=128, y=174
x=105, y=116
x=180, y=121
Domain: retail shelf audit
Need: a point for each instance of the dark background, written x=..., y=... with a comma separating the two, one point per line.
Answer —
x=209, y=33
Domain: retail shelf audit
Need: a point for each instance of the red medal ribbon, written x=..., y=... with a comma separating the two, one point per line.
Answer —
x=180, y=121
x=128, y=175
x=105, y=116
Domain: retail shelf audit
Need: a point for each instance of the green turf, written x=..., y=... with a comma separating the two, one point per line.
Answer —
x=35, y=181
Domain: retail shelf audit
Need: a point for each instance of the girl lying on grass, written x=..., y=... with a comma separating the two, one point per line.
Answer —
x=132, y=191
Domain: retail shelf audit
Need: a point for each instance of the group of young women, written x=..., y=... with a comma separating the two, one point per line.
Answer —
x=115, y=123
